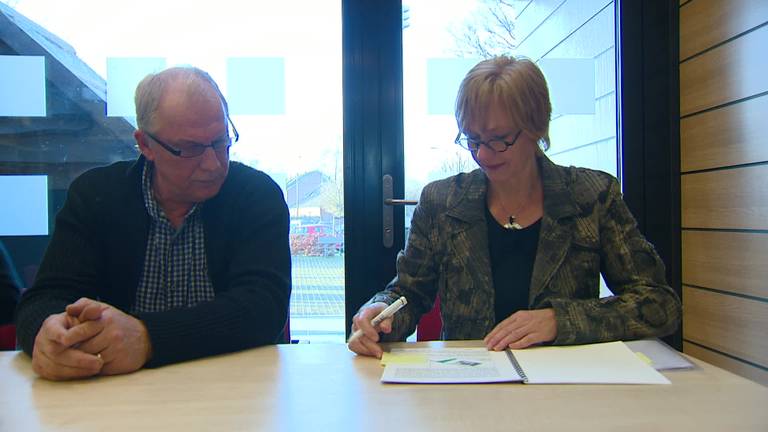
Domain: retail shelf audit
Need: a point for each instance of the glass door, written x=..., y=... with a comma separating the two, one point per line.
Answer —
x=281, y=66
x=573, y=42
x=278, y=63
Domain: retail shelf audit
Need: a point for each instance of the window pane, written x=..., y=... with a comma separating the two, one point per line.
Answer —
x=573, y=42
x=261, y=54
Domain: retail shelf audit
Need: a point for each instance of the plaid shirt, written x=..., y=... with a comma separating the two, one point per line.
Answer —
x=175, y=269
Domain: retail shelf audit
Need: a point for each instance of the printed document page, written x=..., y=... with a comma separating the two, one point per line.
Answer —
x=447, y=365
x=601, y=363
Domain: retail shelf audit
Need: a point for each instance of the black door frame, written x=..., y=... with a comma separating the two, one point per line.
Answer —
x=373, y=142
x=649, y=126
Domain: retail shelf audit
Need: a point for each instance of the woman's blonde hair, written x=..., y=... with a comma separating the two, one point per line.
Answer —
x=515, y=84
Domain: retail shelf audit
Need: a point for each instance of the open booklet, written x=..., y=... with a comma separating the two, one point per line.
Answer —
x=603, y=363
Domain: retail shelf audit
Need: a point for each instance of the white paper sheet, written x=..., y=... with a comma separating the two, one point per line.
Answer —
x=603, y=363
x=661, y=355
x=448, y=365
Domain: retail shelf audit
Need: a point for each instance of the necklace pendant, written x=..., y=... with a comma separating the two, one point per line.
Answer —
x=512, y=225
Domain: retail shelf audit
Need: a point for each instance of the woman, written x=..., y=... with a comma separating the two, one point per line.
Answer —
x=515, y=248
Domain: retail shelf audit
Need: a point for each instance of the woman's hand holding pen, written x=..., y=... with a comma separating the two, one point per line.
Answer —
x=367, y=342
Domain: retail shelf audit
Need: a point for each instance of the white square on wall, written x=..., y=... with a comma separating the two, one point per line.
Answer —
x=571, y=83
x=123, y=75
x=25, y=205
x=256, y=85
x=22, y=86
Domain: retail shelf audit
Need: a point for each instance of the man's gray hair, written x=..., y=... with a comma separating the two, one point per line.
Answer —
x=150, y=91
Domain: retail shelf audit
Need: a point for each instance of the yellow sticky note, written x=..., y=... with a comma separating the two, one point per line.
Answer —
x=400, y=358
x=644, y=358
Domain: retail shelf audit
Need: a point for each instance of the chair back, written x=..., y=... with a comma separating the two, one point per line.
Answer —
x=7, y=337
x=430, y=324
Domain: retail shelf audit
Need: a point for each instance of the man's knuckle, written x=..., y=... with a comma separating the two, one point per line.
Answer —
x=116, y=337
x=60, y=338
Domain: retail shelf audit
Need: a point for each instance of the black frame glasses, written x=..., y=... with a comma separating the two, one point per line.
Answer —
x=197, y=150
x=497, y=145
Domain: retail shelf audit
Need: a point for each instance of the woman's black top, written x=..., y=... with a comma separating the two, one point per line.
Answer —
x=512, y=252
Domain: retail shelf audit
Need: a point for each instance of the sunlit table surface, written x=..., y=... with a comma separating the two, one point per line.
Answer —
x=325, y=387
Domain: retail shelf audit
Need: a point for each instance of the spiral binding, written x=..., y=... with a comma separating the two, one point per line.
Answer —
x=516, y=365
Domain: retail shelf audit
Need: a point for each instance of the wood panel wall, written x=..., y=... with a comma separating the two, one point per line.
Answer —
x=724, y=183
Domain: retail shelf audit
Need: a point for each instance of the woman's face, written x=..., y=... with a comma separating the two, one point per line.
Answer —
x=503, y=166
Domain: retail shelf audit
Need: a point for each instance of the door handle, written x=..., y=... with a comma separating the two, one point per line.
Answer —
x=394, y=202
x=388, y=232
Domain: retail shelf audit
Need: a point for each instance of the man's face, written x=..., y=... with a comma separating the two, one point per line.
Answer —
x=183, y=121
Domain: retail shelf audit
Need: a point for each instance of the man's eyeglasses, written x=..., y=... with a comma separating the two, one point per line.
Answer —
x=497, y=145
x=221, y=145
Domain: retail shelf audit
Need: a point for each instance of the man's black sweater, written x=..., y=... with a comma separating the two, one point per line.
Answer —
x=98, y=247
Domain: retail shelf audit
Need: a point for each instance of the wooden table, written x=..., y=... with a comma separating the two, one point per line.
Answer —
x=327, y=388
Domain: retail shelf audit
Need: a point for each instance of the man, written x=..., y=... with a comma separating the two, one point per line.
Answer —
x=178, y=255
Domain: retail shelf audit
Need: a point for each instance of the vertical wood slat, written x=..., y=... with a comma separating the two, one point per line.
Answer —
x=726, y=323
x=727, y=261
x=731, y=199
x=727, y=136
x=706, y=23
x=739, y=368
x=730, y=72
